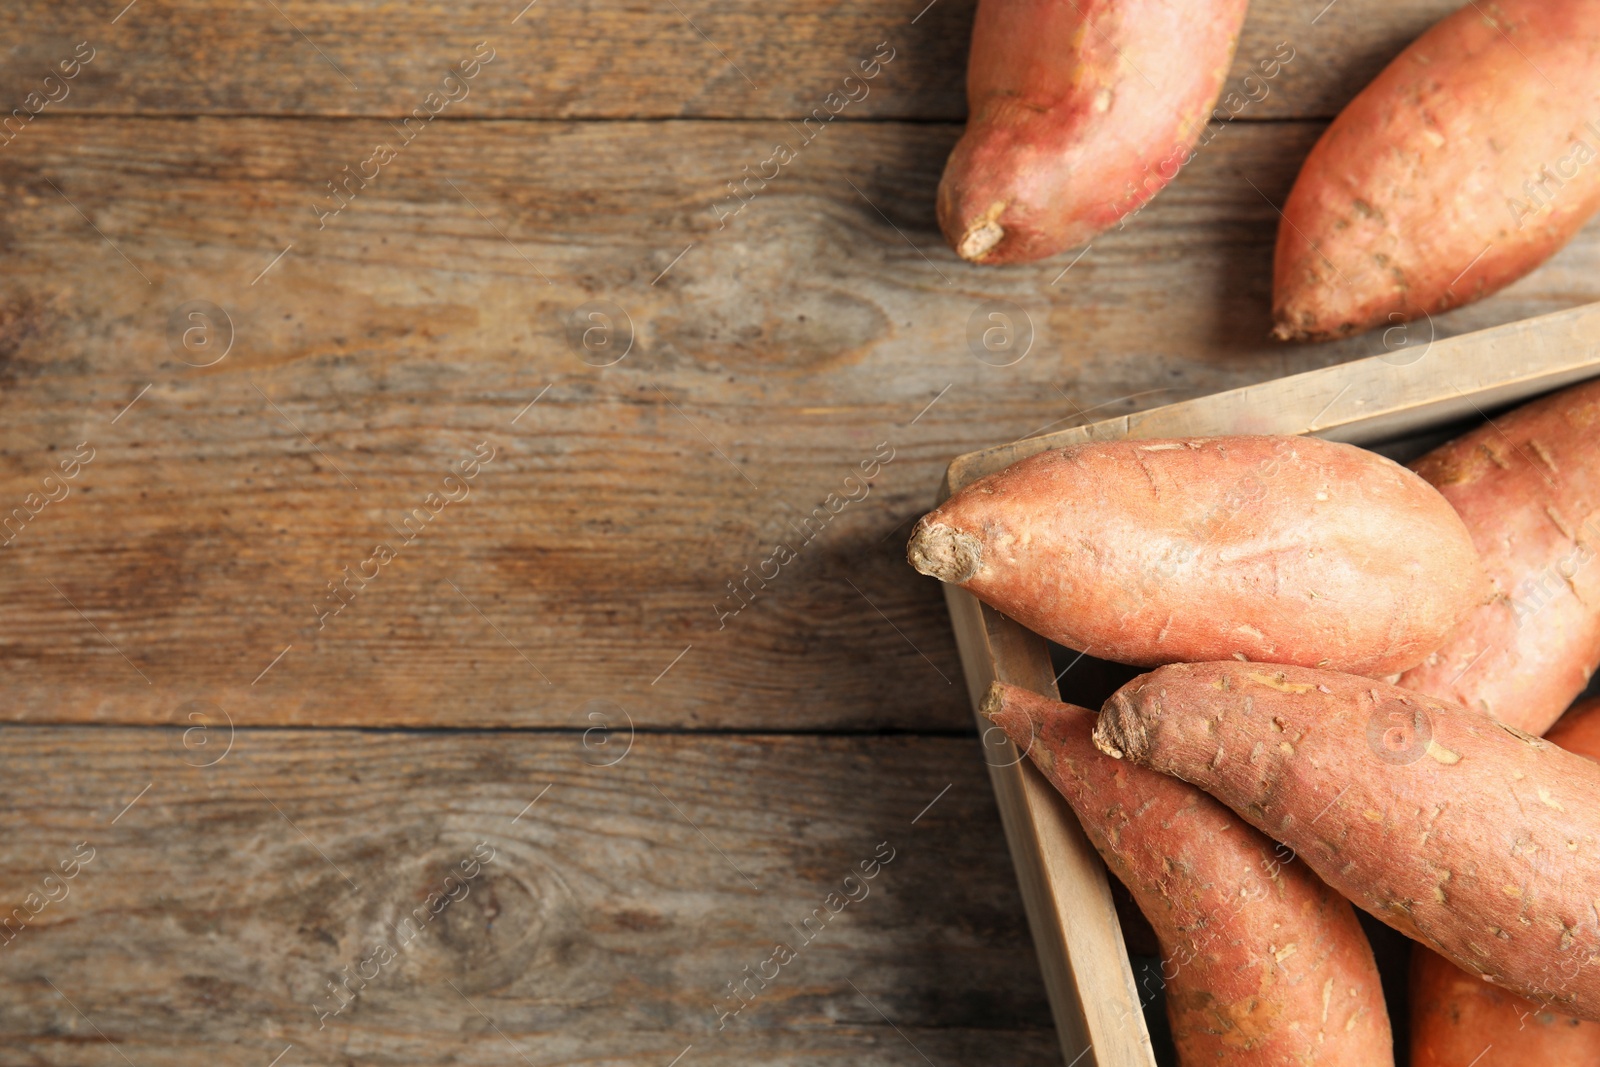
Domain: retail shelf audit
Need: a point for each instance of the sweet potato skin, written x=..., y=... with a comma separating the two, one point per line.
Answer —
x=1465, y=164
x=1579, y=729
x=1263, y=963
x=1528, y=488
x=1458, y=1018
x=1280, y=549
x=1079, y=113
x=1478, y=840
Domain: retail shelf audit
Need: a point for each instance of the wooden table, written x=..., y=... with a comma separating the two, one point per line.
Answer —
x=533, y=784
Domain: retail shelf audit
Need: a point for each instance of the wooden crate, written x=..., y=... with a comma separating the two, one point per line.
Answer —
x=1374, y=402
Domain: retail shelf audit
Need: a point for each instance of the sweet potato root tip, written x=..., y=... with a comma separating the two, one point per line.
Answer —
x=945, y=553
x=1286, y=330
x=1021, y=722
x=1120, y=733
x=993, y=708
x=979, y=240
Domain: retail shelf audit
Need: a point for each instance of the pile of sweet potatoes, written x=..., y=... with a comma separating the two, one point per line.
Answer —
x=1354, y=661
x=1472, y=158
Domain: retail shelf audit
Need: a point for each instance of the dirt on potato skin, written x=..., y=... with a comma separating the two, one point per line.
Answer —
x=1467, y=835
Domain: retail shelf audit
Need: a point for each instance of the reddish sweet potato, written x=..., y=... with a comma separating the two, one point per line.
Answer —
x=1579, y=729
x=1283, y=549
x=1463, y=166
x=1470, y=836
x=1458, y=1018
x=1528, y=488
x=1263, y=963
x=1080, y=112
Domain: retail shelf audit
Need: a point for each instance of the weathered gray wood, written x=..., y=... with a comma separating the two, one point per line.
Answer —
x=768, y=363
x=216, y=908
x=609, y=59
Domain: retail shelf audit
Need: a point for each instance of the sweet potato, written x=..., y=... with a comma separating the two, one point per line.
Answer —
x=1284, y=549
x=1079, y=113
x=1465, y=164
x=1458, y=1018
x=1528, y=487
x=1263, y=963
x=1579, y=729
x=1468, y=835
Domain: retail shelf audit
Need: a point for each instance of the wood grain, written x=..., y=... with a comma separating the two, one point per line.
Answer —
x=216, y=909
x=606, y=59
x=770, y=358
x=576, y=591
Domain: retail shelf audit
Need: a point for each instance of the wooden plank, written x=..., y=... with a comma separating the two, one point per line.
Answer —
x=605, y=59
x=215, y=910
x=771, y=358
